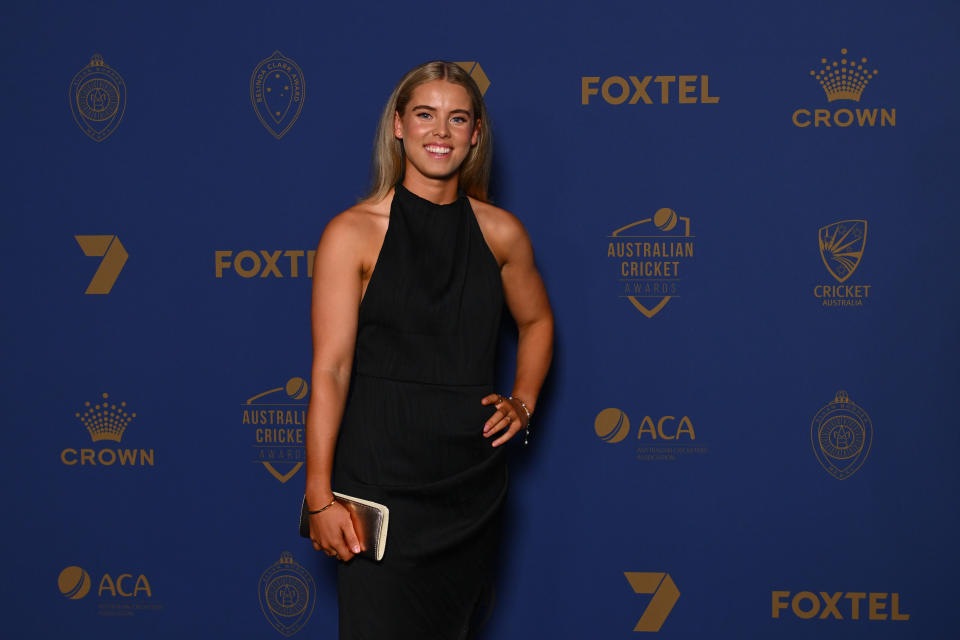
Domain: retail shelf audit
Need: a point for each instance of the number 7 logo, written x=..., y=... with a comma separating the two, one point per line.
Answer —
x=114, y=257
x=665, y=595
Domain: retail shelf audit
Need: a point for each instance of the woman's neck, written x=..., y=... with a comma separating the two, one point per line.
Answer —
x=436, y=190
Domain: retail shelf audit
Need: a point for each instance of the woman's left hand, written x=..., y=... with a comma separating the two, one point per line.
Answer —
x=509, y=415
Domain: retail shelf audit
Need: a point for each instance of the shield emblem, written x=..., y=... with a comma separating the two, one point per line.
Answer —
x=277, y=91
x=98, y=99
x=287, y=595
x=841, y=434
x=649, y=295
x=841, y=247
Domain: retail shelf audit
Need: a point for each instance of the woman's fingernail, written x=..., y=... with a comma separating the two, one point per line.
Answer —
x=356, y=548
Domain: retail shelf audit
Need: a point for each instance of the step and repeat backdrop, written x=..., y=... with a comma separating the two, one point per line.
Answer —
x=745, y=214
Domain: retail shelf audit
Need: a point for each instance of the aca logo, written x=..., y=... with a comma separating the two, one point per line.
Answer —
x=841, y=249
x=475, y=71
x=844, y=80
x=649, y=256
x=841, y=434
x=98, y=99
x=287, y=595
x=293, y=263
x=838, y=605
x=114, y=257
x=664, y=438
x=106, y=422
x=276, y=92
x=117, y=594
x=278, y=419
x=618, y=90
x=665, y=595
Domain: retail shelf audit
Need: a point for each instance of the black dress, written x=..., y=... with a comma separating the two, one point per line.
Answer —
x=411, y=437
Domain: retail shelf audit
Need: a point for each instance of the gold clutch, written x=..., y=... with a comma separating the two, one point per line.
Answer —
x=370, y=520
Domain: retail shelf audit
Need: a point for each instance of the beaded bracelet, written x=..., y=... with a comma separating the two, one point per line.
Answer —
x=526, y=410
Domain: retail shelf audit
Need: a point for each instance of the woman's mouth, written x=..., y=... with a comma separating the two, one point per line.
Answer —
x=438, y=150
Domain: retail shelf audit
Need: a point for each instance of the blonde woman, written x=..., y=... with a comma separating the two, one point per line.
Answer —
x=408, y=288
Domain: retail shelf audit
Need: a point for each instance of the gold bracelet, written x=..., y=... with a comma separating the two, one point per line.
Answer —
x=313, y=513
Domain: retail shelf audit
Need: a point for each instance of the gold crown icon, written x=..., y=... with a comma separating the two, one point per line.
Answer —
x=844, y=79
x=841, y=398
x=286, y=557
x=96, y=60
x=106, y=421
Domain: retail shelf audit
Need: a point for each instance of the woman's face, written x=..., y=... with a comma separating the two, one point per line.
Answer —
x=437, y=129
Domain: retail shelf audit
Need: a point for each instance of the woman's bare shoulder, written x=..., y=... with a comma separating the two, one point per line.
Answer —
x=501, y=229
x=359, y=226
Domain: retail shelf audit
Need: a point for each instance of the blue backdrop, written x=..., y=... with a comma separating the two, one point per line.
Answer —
x=744, y=214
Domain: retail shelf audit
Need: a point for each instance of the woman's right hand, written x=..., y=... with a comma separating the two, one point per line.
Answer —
x=332, y=532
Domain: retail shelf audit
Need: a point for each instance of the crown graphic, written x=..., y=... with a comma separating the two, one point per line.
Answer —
x=106, y=421
x=286, y=558
x=96, y=60
x=841, y=398
x=844, y=79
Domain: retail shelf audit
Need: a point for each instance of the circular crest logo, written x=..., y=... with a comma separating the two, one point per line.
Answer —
x=841, y=434
x=98, y=99
x=287, y=595
x=611, y=425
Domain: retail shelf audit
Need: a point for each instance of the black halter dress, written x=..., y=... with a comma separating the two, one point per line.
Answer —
x=411, y=437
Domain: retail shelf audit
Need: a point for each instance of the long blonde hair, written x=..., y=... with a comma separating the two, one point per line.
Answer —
x=388, y=158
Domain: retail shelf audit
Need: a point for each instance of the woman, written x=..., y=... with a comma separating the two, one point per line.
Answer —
x=408, y=287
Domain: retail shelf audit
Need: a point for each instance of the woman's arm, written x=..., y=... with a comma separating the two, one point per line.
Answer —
x=337, y=281
x=526, y=298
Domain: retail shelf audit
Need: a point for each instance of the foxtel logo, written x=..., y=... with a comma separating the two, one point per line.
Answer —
x=807, y=605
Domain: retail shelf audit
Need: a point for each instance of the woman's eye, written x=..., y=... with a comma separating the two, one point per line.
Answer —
x=459, y=119
x=423, y=115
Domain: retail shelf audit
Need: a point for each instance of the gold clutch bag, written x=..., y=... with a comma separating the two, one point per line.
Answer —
x=370, y=520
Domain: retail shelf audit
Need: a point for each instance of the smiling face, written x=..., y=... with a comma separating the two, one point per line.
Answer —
x=438, y=128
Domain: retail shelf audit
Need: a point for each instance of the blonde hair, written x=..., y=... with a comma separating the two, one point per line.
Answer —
x=388, y=157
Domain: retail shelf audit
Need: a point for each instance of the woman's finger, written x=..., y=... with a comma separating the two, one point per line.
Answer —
x=499, y=425
x=505, y=437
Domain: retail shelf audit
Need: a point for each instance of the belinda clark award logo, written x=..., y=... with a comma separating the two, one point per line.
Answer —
x=841, y=434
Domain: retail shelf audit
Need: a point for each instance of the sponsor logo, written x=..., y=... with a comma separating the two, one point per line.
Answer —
x=106, y=422
x=665, y=595
x=647, y=90
x=844, y=80
x=476, y=72
x=278, y=418
x=114, y=257
x=117, y=595
x=276, y=92
x=293, y=263
x=663, y=438
x=649, y=256
x=838, y=605
x=841, y=249
x=98, y=98
x=841, y=434
x=287, y=595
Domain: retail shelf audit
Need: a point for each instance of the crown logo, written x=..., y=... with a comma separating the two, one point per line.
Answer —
x=286, y=558
x=96, y=60
x=106, y=421
x=841, y=398
x=844, y=79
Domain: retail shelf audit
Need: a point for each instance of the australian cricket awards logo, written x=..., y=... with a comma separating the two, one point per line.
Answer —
x=278, y=418
x=841, y=249
x=276, y=91
x=287, y=595
x=841, y=434
x=844, y=80
x=650, y=256
x=106, y=422
x=98, y=98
